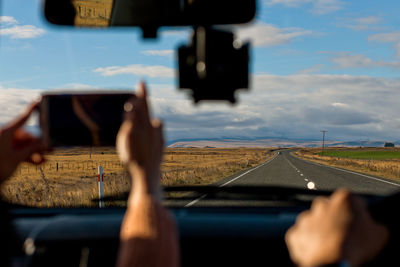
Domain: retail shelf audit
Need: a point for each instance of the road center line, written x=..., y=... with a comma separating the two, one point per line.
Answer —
x=291, y=164
x=230, y=181
x=338, y=169
x=313, y=187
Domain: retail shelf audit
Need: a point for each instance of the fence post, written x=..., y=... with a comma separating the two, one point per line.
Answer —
x=101, y=187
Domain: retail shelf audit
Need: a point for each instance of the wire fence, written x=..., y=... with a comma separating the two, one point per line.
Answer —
x=88, y=166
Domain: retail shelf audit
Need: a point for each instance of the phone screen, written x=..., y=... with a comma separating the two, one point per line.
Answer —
x=82, y=119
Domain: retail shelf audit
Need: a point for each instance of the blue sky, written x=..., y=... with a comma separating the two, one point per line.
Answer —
x=317, y=64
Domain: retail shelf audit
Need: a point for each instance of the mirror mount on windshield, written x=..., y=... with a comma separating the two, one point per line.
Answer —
x=214, y=65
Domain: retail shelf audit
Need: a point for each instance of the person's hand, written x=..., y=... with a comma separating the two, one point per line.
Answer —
x=335, y=229
x=16, y=146
x=140, y=144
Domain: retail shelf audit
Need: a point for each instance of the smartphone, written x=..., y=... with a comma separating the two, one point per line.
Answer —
x=82, y=118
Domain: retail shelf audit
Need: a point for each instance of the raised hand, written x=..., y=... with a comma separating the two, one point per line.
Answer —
x=140, y=144
x=16, y=145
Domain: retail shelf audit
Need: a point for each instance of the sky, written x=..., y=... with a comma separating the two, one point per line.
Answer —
x=316, y=65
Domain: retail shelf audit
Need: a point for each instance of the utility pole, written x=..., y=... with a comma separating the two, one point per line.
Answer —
x=323, y=140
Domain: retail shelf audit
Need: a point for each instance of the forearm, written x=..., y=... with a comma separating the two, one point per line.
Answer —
x=148, y=235
x=145, y=182
x=148, y=232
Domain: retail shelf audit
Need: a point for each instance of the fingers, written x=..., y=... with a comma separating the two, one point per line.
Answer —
x=157, y=124
x=142, y=92
x=358, y=203
x=342, y=195
x=137, y=109
x=36, y=158
x=289, y=240
x=130, y=109
x=158, y=130
x=30, y=152
x=144, y=114
x=18, y=123
x=339, y=198
x=302, y=216
x=294, y=239
x=342, y=199
x=26, y=145
x=123, y=141
x=319, y=203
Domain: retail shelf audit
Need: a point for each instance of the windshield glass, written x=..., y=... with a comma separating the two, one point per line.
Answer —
x=322, y=112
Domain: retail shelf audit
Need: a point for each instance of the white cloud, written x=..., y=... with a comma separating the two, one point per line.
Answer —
x=15, y=31
x=8, y=20
x=288, y=3
x=327, y=6
x=22, y=32
x=78, y=86
x=313, y=69
x=307, y=104
x=319, y=7
x=385, y=37
x=262, y=34
x=294, y=106
x=361, y=61
x=340, y=105
x=163, y=53
x=353, y=61
x=369, y=20
x=370, y=23
x=138, y=70
x=392, y=37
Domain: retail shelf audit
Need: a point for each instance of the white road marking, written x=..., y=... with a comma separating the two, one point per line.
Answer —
x=230, y=181
x=310, y=185
x=291, y=164
x=363, y=175
x=255, y=168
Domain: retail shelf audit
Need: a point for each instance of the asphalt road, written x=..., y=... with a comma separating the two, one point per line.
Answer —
x=287, y=170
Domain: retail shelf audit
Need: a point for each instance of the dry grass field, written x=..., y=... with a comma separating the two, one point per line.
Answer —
x=69, y=177
x=382, y=162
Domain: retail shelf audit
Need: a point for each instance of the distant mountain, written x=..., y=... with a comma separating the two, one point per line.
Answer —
x=270, y=142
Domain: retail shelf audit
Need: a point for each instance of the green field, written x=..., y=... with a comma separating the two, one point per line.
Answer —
x=364, y=154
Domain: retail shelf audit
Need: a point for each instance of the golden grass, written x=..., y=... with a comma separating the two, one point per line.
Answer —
x=69, y=177
x=389, y=168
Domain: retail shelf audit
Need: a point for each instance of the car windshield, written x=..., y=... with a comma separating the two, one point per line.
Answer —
x=321, y=113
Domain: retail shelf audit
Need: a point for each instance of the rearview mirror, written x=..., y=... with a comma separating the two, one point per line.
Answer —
x=148, y=14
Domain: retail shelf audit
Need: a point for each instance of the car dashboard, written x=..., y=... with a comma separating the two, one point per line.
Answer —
x=208, y=236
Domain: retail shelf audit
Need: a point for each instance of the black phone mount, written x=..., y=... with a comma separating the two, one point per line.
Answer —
x=214, y=65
